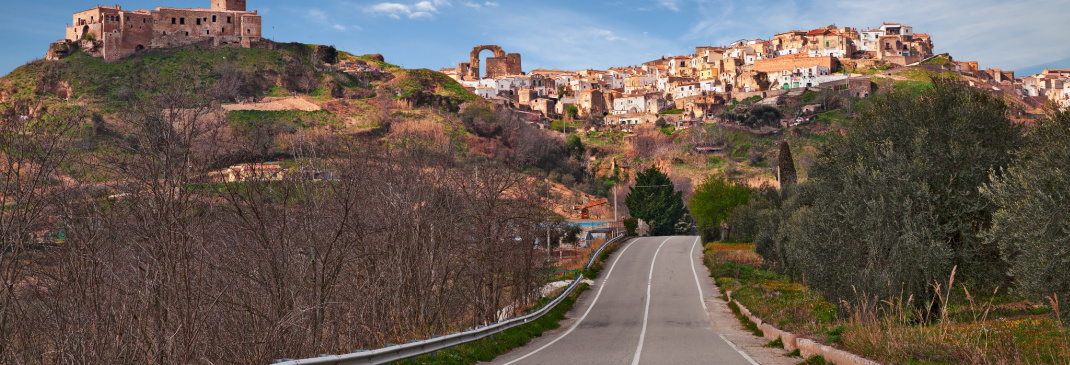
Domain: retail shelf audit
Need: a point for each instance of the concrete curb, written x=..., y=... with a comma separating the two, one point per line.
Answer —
x=806, y=346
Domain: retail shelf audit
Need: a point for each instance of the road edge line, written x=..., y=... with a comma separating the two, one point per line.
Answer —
x=593, y=302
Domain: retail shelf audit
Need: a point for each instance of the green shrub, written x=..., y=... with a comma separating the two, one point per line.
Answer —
x=630, y=225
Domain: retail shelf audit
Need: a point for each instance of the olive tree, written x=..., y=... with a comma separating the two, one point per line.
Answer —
x=1032, y=222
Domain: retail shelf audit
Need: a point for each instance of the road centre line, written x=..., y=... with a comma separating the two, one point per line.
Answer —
x=646, y=312
x=577, y=324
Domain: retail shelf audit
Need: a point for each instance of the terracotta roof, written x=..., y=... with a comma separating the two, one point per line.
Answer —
x=816, y=31
x=920, y=35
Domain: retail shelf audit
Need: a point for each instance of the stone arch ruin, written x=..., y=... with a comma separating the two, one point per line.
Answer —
x=500, y=65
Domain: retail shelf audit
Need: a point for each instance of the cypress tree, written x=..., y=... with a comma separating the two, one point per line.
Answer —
x=654, y=200
x=787, y=174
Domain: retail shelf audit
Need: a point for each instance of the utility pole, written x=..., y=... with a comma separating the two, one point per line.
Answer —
x=547, y=217
x=615, y=219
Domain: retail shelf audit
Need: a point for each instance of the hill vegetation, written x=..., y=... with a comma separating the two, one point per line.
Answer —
x=121, y=242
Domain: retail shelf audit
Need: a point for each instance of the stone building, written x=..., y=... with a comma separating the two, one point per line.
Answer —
x=119, y=33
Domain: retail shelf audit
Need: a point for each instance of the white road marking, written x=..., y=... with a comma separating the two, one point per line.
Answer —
x=577, y=324
x=646, y=313
x=701, y=298
x=745, y=356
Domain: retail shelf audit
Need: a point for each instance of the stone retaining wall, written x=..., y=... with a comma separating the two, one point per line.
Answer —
x=806, y=346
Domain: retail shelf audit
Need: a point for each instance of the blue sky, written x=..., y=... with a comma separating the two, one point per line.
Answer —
x=575, y=34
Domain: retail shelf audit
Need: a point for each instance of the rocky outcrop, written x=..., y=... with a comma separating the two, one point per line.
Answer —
x=60, y=49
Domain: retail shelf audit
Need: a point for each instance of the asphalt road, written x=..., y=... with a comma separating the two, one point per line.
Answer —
x=651, y=305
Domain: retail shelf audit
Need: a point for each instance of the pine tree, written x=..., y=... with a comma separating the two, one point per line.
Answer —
x=787, y=175
x=654, y=200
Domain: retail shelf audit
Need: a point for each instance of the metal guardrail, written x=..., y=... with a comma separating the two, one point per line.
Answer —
x=416, y=348
x=599, y=251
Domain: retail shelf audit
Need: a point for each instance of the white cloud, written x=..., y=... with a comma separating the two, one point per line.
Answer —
x=320, y=17
x=670, y=4
x=550, y=37
x=489, y=4
x=609, y=35
x=423, y=9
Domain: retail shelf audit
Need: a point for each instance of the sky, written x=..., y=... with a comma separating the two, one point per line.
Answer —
x=1020, y=35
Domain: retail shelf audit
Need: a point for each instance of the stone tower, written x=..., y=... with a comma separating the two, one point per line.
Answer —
x=229, y=5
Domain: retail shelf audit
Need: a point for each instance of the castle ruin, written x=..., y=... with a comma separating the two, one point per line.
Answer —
x=501, y=64
x=114, y=33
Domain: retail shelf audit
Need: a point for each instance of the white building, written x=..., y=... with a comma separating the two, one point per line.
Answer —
x=687, y=90
x=486, y=92
x=870, y=39
x=802, y=77
x=629, y=105
x=711, y=86
x=897, y=29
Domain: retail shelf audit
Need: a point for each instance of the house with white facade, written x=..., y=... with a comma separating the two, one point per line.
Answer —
x=629, y=105
x=801, y=77
x=687, y=90
x=870, y=40
x=486, y=92
x=711, y=86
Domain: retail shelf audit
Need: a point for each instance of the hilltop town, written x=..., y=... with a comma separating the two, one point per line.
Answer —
x=694, y=87
x=689, y=87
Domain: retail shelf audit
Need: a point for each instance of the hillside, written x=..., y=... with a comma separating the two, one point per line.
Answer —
x=262, y=102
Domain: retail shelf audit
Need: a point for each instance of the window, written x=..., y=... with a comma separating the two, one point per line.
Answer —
x=206, y=32
x=198, y=21
x=187, y=34
x=224, y=31
x=165, y=32
x=172, y=20
x=247, y=31
x=213, y=18
x=181, y=20
x=228, y=19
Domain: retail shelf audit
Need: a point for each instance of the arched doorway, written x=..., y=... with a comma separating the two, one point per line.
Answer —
x=85, y=31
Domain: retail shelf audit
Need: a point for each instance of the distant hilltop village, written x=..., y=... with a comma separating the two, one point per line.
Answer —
x=114, y=33
x=782, y=66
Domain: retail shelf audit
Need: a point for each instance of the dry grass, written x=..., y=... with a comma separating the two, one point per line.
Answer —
x=738, y=253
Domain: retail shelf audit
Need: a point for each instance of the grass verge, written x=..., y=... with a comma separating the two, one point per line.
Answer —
x=488, y=348
x=1005, y=330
